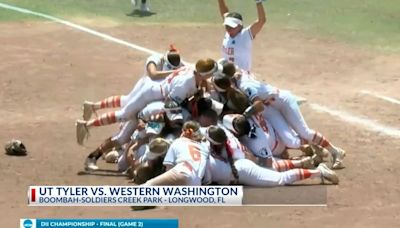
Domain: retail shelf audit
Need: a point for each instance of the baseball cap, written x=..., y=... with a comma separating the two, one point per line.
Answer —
x=233, y=19
x=154, y=127
x=174, y=114
x=173, y=110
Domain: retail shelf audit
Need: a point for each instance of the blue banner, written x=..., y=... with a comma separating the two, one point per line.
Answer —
x=99, y=223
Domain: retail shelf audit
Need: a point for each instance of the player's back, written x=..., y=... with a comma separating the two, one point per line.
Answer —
x=190, y=152
x=180, y=84
x=254, y=88
x=262, y=140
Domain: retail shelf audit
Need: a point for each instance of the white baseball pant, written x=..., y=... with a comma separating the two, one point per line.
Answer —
x=286, y=103
x=149, y=91
x=281, y=126
x=251, y=174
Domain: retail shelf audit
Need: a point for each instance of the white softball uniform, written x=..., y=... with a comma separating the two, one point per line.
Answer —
x=161, y=65
x=238, y=49
x=179, y=85
x=281, y=110
x=262, y=140
x=218, y=166
x=287, y=104
x=122, y=161
x=238, y=148
x=189, y=158
x=129, y=127
x=253, y=175
x=250, y=173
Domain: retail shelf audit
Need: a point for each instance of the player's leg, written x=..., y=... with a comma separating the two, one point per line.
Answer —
x=118, y=140
x=293, y=175
x=221, y=172
x=148, y=93
x=139, y=84
x=110, y=102
x=288, y=137
x=144, y=7
x=251, y=174
x=254, y=175
x=171, y=177
x=285, y=164
x=91, y=159
x=291, y=111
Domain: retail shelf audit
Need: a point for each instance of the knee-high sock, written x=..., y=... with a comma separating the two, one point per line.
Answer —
x=293, y=175
x=283, y=165
x=104, y=148
x=109, y=102
x=320, y=140
x=104, y=119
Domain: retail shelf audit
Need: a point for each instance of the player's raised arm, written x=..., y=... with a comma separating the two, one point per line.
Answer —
x=223, y=9
x=156, y=74
x=256, y=27
x=160, y=66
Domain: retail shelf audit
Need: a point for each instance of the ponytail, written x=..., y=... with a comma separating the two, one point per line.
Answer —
x=231, y=162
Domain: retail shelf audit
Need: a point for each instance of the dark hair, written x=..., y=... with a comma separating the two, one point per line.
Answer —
x=222, y=81
x=238, y=102
x=174, y=58
x=228, y=68
x=217, y=134
x=241, y=125
x=235, y=15
x=203, y=104
x=209, y=113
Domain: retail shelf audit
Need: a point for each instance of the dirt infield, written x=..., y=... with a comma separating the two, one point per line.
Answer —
x=47, y=70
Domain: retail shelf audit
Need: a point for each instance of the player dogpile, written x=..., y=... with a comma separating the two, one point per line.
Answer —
x=210, y=123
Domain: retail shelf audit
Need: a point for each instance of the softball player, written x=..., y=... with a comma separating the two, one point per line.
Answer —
x=178, y=86
x=185, y=160
x=237, y=42
x=157, y=68
x=144, y=6
x=157, y=108
x=282, y=110
x=224, y=169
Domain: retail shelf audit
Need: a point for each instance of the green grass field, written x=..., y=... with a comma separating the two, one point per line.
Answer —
x=366, y=23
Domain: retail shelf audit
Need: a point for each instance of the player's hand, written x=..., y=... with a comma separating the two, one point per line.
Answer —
x=141, y=125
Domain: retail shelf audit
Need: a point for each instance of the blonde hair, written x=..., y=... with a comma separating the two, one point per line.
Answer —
x=159, y=146
x=205, y=65
x=191, y=130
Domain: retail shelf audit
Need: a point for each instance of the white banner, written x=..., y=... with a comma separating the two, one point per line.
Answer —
x=135, y=195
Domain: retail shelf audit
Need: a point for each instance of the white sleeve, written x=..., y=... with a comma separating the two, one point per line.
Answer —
x=156, y=59
x=251, y=92
x=170, y=157
x=247, y=33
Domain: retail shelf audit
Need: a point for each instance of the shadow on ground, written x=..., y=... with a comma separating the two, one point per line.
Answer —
x=139, y=13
